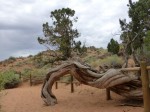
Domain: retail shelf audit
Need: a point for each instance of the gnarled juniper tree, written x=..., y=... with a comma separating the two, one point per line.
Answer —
x=60, y=34
x=135, y=31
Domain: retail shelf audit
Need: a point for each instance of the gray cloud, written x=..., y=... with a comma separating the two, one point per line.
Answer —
x=21, y=22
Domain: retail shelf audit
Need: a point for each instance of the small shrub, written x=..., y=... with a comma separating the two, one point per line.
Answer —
x=26, y=74
x=39, y=72
x=30, y=56
x=9, y=80
x=95, y=64
x=145, y=54
x=48, y=66
x=66, y=79
x=38, y=76
x=18, y=64
x=112, y=61
x=90, y=59
x=38, y=61
x=9, y=60
x=1, y=82
x=12, y=58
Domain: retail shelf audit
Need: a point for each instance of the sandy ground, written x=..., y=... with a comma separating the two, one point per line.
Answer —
x=84, y=99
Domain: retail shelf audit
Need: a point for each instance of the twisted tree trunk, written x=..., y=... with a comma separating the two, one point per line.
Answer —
x=122, y=83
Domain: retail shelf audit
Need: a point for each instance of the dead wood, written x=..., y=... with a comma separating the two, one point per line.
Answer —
x=123, y=83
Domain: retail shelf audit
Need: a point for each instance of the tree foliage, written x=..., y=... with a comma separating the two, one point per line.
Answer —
x=134, y=32
x=61, y=33
x=113, y=46
x=147, y=41
x=79, y=48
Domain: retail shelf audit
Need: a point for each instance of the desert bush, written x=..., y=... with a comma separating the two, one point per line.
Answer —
x=9, y=60
x=12, y=58
x=1, y=62
x=112, y=61
x=26, y=74
x=1, y=82
x=95, y=64
x=30, y=56
x=102, y=51
x=66, y=79
x=144, y=55
x=39, y=72
x=47, y=66
x=18, y=64
x=38, y=75
x=40, y=60
x=90, y=59
x=9, y=80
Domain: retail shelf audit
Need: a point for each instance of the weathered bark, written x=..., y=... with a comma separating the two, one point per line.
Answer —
x=126, y=84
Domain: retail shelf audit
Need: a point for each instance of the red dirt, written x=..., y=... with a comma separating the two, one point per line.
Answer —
x=84, y=99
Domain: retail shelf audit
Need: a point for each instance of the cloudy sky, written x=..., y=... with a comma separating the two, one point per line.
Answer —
x=21, y=22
